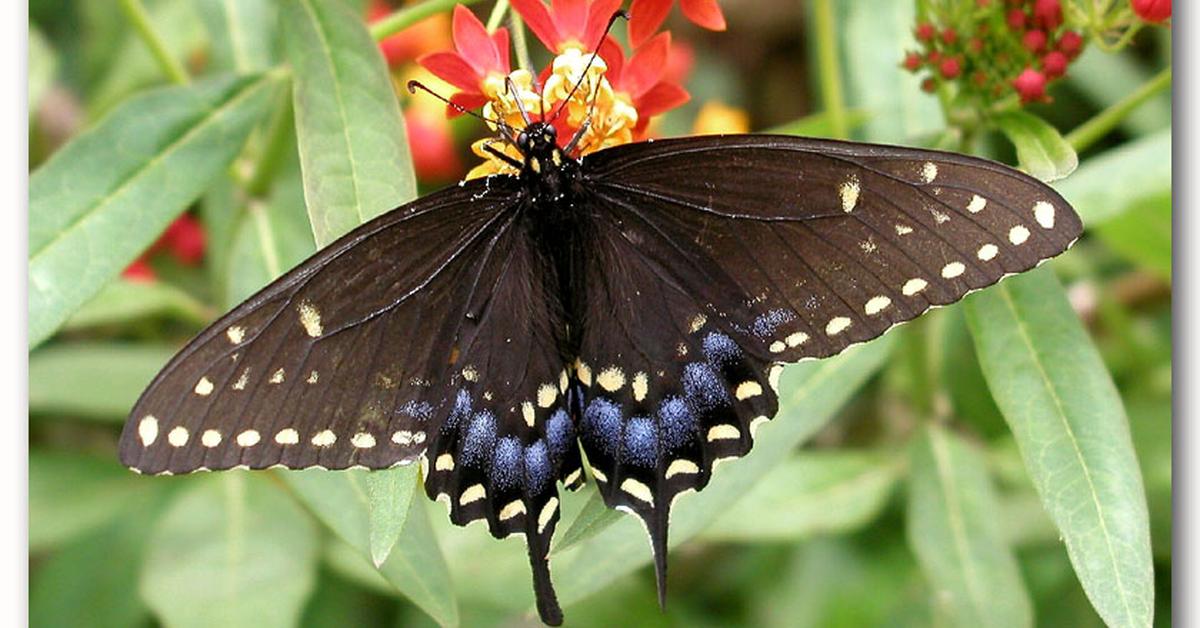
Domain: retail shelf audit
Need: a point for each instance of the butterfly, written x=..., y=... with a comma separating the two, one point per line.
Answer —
x=629, y=311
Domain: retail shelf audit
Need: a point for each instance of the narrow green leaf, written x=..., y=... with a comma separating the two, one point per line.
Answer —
x=102, y=199
x=63, y=378
x=71, y=495
x=1143, y=233
x=231, y=551
x=593, y=519
x=388, y=493
x=811, y=493
x=244, y=33
x=1102, y=187
x=123, y=301
x=415, y=566
x=353, y=146
x=1041, y=149
x=269, y=238
x=1049, y=381
x=953, y=527
x=810, y=394
x=43, y=66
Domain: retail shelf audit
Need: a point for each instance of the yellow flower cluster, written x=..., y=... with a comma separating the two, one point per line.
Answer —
x=612, y=118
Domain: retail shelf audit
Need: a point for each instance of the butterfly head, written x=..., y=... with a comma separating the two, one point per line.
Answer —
x=538, y=143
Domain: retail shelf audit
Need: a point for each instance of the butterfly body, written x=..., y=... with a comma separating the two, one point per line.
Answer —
x=633, y=307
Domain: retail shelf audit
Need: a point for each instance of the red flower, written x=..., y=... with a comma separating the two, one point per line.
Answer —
x=645, y=16
x=479, y=57
x=949, y=36
x=1054, y=64
x=139, y=271
x=1152, y=10
x=1047, y=14
x=567, y=23
x=1070, y=44
x=912, y=61
x=1015, y=19
x=1031, y=85
x=1034, y=41
x=641, y=80
x=924, y=31
x=951, y=68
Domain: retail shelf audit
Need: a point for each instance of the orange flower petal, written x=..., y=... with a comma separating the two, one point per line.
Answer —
x=537, y=18
x=706, y=13
x=647, y=65
x=472, y=41
x=645, y=18
x=453, y=69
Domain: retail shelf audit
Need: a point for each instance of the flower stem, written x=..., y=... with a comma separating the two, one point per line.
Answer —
x=520, y=44
x=1093, y=130
x=403, y=18
x=828, y=67
x=136, y=13
x=497, y=15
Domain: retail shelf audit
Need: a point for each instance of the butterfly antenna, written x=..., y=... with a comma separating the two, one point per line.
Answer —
x=574, y=88
x=512, y=89
x=414, y=85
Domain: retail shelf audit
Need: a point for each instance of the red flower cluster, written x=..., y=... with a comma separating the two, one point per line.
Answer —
x=1152, y=10
x=1019, y=45
x=619, y=93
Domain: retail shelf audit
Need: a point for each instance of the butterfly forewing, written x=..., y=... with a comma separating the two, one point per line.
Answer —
x=327, y=365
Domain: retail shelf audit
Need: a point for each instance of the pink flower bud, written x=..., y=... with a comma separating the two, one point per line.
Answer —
x=1030, y=85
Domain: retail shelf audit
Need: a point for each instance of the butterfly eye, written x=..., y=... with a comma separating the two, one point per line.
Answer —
x=523, y=141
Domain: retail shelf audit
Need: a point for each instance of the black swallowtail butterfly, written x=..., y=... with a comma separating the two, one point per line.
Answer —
x=637, y=303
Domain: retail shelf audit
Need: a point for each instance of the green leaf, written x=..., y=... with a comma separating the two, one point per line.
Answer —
x=592, y=519
x=244, y=33
x=875, y=35
x=43, y=66
x=1142, y=234
x=953, y=527
x=1049, y=381
x=353, y=146
x=811, y=493
x=1112, y=182
x=269, y=238
x=102, y=199
x=414, y=566
x=72, y=494
x=63, y=378
x=90, y=581
x=1041, y=149
x=123, y=301
x=388, y=495
x=232, y=551
x=810, y=394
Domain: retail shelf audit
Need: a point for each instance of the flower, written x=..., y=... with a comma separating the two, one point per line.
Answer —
x=1047, y=14
x=1054, y=64
x=1030, y=85
x=645, y=16
x=478, y=67
x=1152, y=10
x=435, y=157
x=1034, y=41
x=567, y=23
x=183, y=239
x=1070, y=44
x=640, y=82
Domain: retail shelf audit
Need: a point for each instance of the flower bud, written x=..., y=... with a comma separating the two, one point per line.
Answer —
x=1030, y=85
x=1152, y=10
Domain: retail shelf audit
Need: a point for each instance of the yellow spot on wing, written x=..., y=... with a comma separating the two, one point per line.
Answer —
x=913, y=286
x=210, y=438
x=363, y=440
x=611, y=379
x=748, y=389
x=248, y=438
x=849, y=193
x=445, y=462
x=681, y=466
x=287, y=436
x=204, y=387
x=641, y=386
x=723, y=432
x=528, y=413
x=547, y=514
x=236, y=334
x=148, y=430
x=638, y=490
x=546, y=395
x=512, y=509
x=837, y=325
x=474, y=493
x=310, y=319
x=324, y=438
x=178, y=437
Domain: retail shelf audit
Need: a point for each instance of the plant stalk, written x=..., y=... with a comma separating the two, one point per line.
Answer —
x=1088, y=133
x=403, y=18
x=136, y=13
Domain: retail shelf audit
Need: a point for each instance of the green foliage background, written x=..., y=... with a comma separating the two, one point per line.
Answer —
x=1002, y=462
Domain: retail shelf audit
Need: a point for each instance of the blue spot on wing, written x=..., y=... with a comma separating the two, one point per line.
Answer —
x=602, y=425
x=506, y=463
x=481, y=436
x=421, y=410
x=677, y=423
x=720, y=349
x=702, y=388
x=641, y=442
x=537, y=467
x=764, y=326
x=460, y=412
x=560, y=433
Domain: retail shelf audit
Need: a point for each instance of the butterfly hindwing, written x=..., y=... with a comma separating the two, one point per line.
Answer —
x=719, y=258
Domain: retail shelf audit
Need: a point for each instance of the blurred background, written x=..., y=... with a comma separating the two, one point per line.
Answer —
x=896, y=495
